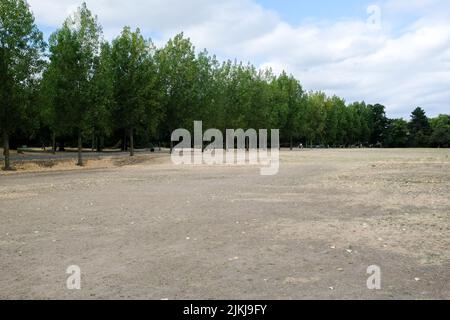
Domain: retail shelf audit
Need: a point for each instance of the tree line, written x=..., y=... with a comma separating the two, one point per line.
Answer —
x=80, y=89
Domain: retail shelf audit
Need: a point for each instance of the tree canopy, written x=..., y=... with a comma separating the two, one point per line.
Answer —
x=21, y=49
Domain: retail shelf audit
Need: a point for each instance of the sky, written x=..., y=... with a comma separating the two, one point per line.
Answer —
x=393, y=52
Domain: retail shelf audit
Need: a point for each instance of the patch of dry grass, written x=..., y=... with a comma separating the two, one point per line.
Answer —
x=57, y=165
x=91, y=163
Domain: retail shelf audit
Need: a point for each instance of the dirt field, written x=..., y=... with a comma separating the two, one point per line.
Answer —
x=152, y=230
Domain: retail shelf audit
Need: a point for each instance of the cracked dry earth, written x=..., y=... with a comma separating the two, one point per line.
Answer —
x=156, y=231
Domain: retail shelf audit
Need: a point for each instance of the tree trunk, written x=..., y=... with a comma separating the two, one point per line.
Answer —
x=80, y=150
x=100, y=144
x=6, y=150
x=291, y=143
x=54, y=143
x=93, y=142
x=125, y=141
x=171, y=145
x=131, y=143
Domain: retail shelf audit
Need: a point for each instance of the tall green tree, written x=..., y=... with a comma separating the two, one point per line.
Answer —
x=99, y=113
x=293, y=106
x=342, y=123
x=378, y=123
x=361, y=122
x=261, y=110
x=136, y=86
x=60, y=102
x=331, y=122
x=177, y=69
x=419, y=128
x=74, y=52
x=21, y=49
x=205, y=89
x=316, y=115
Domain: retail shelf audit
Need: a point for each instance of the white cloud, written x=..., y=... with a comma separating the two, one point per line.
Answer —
x=403, y=65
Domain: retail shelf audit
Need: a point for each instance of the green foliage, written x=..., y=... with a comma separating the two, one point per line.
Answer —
x=314, y=119
x=71, y=75
x=177, y=68
x=397, y=134
x=135, y=84
x=378, y=123
x=21, y=49
x=292, y=106
x=419, y=128
x=440, y=136
x=99, y=113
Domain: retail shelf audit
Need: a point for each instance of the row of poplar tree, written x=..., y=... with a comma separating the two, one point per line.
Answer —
x=81, y=88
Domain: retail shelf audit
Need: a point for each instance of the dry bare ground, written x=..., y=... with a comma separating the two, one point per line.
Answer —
x=151, y=230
